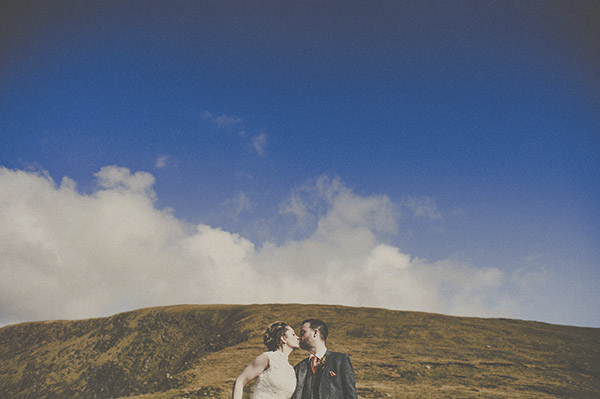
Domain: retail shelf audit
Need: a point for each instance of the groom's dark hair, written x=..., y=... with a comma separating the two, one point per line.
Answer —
x=320, y=325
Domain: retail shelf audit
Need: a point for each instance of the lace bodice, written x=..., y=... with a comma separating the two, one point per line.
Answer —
x=278, y=380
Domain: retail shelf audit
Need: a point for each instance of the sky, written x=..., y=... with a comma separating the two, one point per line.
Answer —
x=426, y=156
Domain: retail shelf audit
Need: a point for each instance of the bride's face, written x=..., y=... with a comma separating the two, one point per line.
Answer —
x=291, y=339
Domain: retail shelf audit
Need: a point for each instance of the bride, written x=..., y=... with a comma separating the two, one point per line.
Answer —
x=276, y=378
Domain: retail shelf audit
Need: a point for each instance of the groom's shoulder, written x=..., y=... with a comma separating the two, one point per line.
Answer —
x=337, y=355
x=301, y=362
x=331, y=353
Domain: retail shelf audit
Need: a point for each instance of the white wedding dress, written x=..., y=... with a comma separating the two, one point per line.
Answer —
x=278, y=380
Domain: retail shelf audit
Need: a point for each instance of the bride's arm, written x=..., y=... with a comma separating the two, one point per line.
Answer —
x=253, y=370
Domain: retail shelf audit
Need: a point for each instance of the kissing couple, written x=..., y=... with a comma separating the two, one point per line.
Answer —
x=322, y=375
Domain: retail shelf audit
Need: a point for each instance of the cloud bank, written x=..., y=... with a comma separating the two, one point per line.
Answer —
x=64, y=254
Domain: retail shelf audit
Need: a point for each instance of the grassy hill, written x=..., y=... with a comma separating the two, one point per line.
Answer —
x=197, y=351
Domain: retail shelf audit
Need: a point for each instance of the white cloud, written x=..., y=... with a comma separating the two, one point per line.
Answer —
x=161, y=162
x=64, y=254
x=239, y=204
x=260, y=143
x=223, y=121
x=423, y=207
x=327, y=203
x=121, y=180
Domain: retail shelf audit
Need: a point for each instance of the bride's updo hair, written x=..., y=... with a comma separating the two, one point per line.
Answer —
x=273, y=334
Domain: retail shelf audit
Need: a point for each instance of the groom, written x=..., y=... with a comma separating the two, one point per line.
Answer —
x=324, y=374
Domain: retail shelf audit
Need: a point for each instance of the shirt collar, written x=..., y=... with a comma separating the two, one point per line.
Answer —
x=320, y=354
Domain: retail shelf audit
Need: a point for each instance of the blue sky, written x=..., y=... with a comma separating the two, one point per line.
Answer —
x=433, y=156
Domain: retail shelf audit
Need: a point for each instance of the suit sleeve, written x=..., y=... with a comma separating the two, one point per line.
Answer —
x=349, y=386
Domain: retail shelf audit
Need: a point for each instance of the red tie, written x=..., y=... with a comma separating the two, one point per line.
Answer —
x=314, y=364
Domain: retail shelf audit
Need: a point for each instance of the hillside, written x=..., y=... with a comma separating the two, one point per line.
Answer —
x=196, y=352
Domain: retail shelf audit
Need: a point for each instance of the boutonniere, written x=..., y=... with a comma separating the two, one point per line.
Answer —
x=331, y=373
x=323, y=361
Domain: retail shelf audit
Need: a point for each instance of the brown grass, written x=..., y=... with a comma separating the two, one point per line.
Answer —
x=196, y=352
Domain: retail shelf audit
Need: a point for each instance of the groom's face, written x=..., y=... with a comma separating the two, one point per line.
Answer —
x=307, y=337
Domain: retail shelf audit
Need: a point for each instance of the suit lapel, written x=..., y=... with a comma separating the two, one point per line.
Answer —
x=323, y=378
x=304, y=369
x=301, y=369
x=327, y=363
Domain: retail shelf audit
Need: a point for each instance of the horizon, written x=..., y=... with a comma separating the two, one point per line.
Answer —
x=426, y=157
x=326, y=305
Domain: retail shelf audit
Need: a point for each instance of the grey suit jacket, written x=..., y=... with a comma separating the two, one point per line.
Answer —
x=337, y=379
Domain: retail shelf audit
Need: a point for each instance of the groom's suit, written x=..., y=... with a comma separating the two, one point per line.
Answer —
x=334, y=378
